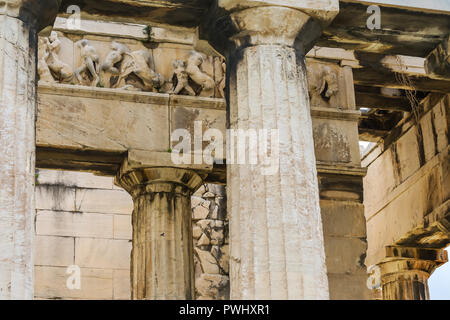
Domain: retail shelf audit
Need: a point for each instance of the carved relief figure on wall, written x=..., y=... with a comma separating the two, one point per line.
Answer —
x=90, y=67
x=201, y=78
x=181, y=78
x=44, y=73
x=49, y=61
x=60, y=70
x=125, y=69
x=133, y=69
x=323, y=85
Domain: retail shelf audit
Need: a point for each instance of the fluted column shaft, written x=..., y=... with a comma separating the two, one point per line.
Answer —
x=19, y=23
x=276, y=239
x=17, y=146
x=405, y=272
x=162, y=258
x=406, y=285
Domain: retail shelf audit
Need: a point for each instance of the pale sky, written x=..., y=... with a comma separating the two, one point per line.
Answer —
x=429, y=4
x=439, y=282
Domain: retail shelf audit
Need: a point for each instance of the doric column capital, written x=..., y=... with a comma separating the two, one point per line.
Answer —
x=38, y=14
x=139, y=181
x=237, y=24
x=401, y=259
x=405, y=271
x=150, y=172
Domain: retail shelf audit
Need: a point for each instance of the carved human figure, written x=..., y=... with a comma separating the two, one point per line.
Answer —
x=60, y=70
x=207, y=84
x=134, y=72
x=90, y=62
x=114, y=57
x=43, y=69
x=182, y=78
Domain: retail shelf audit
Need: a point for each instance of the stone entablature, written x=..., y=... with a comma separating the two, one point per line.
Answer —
x=155, y=59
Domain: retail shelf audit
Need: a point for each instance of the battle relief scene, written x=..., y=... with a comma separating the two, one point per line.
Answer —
x=129, y=65
x=224, y=150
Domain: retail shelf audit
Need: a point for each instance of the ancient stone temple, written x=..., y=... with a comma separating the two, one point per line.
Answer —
x=212, y=149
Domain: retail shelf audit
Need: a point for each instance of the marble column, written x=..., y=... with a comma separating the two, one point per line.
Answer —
x=162, y=264
x=405, y=272
x=276, y=237
x=19, y=23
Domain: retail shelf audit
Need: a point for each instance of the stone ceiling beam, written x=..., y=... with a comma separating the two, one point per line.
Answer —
x=380, y=70
x=349, y=30
x=404, y=30
x=378, y=101
x=182, y=13
x=397, y=72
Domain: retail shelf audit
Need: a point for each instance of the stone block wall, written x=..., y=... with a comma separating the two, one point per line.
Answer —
x=81, y=220
x=85, y=220
x=210, y=231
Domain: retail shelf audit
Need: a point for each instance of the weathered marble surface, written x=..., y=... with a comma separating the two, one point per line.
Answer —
x=276, y=237
x=19, y=21
x=17, y=111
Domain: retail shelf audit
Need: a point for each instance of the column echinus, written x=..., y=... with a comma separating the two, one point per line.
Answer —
x=162, y=264
x=20, y=20
x=405, y=271
x=276, y=237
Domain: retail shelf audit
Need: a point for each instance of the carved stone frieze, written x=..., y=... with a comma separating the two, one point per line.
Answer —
x=132, y=69
x=127, y=65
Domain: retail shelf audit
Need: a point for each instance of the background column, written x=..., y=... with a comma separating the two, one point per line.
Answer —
x=405, y=272
x=162, y=265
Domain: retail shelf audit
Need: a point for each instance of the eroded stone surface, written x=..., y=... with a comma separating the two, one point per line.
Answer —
x=275, y=225
x=211, y=256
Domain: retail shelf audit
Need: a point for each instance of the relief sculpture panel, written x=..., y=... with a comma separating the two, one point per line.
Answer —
x=129, y=64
